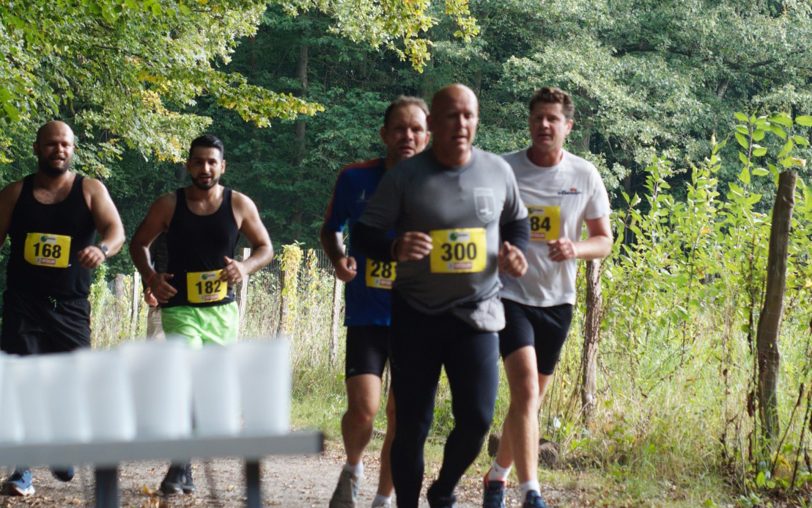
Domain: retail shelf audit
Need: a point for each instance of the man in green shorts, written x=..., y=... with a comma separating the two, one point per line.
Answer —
x=202, y=223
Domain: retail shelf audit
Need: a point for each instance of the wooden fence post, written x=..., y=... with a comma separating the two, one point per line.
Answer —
x=592, y=331
x=243, y=296
x=769, y=322
x=336, y=320
x=136, y=301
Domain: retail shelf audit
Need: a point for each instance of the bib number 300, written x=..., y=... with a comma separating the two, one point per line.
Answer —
x=458, y=250
x=205, y=287
x=43, y=249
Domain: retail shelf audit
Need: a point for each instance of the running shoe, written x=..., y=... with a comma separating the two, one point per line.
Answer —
x=534, y=500
x=440, y=501
x=172, y=483
x=346, y=493
x=63, y=474
x=382, y=504
x=19, y=483
x=188, y=485
x=493, y=494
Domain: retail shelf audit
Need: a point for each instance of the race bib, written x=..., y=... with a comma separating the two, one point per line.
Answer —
x=43, y=249
x=205, y=287
x=379, y=274
x=458, y=250
x=545, y=223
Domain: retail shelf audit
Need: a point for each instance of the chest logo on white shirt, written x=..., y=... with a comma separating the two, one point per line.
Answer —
x=485, y=204
x=571, y=192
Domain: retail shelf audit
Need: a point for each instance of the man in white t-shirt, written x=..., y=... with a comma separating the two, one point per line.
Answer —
x=562, y=193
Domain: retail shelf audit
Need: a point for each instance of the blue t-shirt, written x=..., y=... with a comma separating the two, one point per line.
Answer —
x=364, y=306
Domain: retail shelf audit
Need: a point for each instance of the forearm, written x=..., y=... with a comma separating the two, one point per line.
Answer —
x=260, y=256
x=141, y=260
x=373, y=242
x=333, y=245
x=112, y=236
x=595, y=247
x=517, y=233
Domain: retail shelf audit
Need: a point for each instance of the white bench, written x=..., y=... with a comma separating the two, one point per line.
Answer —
x=106, y=456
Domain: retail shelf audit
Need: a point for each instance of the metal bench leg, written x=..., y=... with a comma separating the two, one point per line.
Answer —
x=107, y=487
x=253, y=489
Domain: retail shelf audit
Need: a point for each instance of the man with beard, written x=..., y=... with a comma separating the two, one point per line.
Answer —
x=367, y=300
x=459, y=221
x=52, y=217
x=202, y=223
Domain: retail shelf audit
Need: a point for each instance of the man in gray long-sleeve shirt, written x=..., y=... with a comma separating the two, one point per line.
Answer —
x=459, y=221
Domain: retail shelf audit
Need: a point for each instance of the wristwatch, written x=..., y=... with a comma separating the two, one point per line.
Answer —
x=103, y=248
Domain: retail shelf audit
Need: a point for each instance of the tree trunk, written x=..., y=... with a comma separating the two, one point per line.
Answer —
x=592, y=335
x=770, y=319
x=301, y=73
x=336, y=321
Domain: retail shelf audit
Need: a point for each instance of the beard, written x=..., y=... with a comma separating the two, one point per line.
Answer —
x=44, y=165
x=202, y=186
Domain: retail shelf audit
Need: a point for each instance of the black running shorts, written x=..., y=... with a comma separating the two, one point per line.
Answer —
x=35, y=325
x=545, y=328
x=367, y=350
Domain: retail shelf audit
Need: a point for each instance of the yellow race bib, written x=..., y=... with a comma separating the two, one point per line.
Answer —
x=43, y=249
x=458, y=250
x=545, y=223
x=205, y=287
x=379, y=274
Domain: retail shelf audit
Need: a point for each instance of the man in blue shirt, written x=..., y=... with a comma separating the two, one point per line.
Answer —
x=367, y=298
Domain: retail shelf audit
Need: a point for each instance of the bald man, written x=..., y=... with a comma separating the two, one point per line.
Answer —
x=459, y=221
x=52, y=217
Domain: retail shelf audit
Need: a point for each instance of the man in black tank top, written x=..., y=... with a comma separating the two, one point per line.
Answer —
x=52, y=217
x=202, y=222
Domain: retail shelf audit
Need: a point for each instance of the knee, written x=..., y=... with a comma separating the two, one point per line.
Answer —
x=360, y=415
x=524, y=396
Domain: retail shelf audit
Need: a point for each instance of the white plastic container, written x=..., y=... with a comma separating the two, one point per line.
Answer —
x=109, y=398
x=27, y=382
x=11, y=428
x=215, y=391
x=160, y=379
x=65, y=397
x=265, y=384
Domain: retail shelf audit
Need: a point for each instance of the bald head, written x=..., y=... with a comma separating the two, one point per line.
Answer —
x=452, y=93
x=54, y=148
x=453, y=122
x=54, y=126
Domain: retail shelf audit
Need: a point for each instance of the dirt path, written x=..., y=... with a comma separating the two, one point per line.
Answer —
x=290, y=482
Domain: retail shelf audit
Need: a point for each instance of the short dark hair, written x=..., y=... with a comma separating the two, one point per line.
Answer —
x=403, y=101
x=554, y=95
x=208, y=141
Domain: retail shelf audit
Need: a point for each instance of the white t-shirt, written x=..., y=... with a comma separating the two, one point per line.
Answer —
x=558, y=199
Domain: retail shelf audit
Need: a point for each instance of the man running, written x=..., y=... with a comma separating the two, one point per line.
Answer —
x=562, y=192
x=367, y=298
x=459, y=220
x=52, y=217
x=202, y=223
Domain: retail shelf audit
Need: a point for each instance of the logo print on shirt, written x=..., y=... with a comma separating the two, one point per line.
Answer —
x=363, y=197
x=572, y=192
x=485, y=204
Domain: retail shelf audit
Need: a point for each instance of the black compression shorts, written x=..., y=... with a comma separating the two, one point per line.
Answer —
x=545, y=328
x=35, y=325
x=367, y=350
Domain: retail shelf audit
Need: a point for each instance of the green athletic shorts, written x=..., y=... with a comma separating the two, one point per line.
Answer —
x=218, y=324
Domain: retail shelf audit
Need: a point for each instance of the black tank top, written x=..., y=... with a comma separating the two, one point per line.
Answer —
x=196, y=246
x=44, y=242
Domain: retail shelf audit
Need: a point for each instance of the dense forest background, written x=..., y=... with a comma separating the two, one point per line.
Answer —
x=689, y=108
